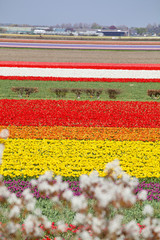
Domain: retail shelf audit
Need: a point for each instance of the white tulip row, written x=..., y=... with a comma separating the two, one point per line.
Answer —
x=79, y=73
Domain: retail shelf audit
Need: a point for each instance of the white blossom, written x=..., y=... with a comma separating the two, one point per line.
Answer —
x=84, y=181
x=146, y=221
x=47, y=176
x=128, y=196
x=94, y=177
x=97, y=224
x=68, y=194
x=38, y=212
x=45, y=187
x=64, y=186
x=33, y=182
x=85, y=235
x=30, y=205
x=13, y=199
x=15, y=212
x=4, y=192
x=4, y=133
x=142, y=195
x=147, y=232
x=103, y=197
x=78, y=202
x=115, y=223
x=27, y=194
x=133, y=183
x=112, y=165
x=59, y=179
x=79, y=218
x=157, y=229
x=31, y=225
x=122, y=237
x=47, y=224
x=1, y=152
x=132, y=229
x=126, y=178
x=61, y=226
x=13, y=227
x=148, y=210
x=55, y=199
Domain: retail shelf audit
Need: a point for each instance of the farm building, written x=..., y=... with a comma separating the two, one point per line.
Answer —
x=15, y=30
x=114, y=33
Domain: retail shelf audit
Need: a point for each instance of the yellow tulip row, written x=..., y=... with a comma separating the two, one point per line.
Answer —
x=32, y=157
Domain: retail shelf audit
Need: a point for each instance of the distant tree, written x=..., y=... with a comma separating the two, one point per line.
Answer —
x=158, y=30
x=96, y=26
x=149, y=26
x=141, y=31
x=57, y=26
x=122, y=27
x=3, y=30
x=25, y=25
x=63, y=25
x=68, y=25
x=81, y=25
x=153, y=29
x=87, y=26
x=75, y=25
x=14, y=25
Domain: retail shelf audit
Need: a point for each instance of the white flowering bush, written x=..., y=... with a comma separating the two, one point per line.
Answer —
x=116, y=190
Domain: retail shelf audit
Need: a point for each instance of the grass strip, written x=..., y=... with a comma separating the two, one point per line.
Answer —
x=78, y=49
x=129, y=91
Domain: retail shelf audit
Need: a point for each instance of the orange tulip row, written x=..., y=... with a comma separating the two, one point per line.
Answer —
x=86, y=133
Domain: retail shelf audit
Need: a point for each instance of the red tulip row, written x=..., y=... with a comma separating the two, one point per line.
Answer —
x=70, y=79
x=124, y=66
x=79, y=113
x=70, y=229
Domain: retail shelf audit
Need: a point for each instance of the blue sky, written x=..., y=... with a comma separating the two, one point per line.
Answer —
x=132, y=13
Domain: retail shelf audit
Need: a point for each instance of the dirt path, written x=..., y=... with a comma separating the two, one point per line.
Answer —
x=95, y=56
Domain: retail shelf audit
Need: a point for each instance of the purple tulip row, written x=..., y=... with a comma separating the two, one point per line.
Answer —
x=153, y=190
x=19, y=186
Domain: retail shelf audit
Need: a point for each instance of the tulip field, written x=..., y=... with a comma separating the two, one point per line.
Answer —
x=75, y=137
x=72, y=135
